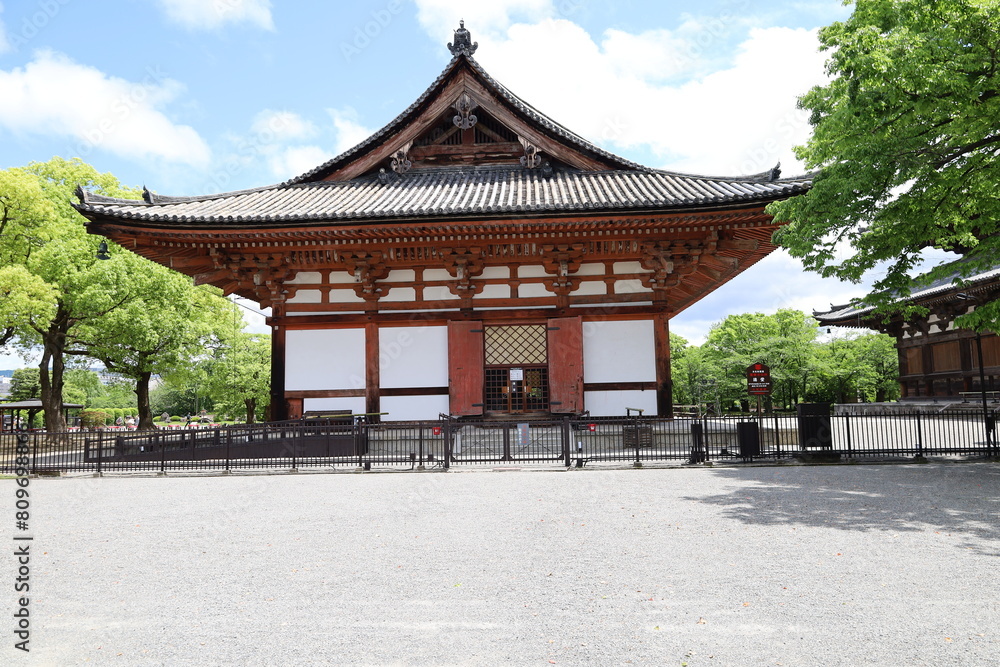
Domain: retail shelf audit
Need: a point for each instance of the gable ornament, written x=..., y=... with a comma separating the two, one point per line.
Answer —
x=463, y=43
x=465, y=105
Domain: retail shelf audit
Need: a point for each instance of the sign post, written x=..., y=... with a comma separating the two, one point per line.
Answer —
x=758, y=382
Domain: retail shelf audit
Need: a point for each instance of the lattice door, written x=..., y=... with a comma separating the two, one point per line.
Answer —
x=516, y=358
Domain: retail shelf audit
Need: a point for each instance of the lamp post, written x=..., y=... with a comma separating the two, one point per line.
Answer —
x=982, y=377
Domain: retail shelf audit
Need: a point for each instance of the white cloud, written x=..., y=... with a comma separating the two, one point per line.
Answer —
x=54, y=96
x=213, y=14
x=350, y=132
x=650, y=91
x=282, y=125
x=440, y=17
x=295, y=160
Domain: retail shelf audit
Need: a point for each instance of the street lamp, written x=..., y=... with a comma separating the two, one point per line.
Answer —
x=102, y=251
x=982, y=375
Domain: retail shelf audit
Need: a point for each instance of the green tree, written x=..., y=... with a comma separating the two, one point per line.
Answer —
x=164, y=327
x=863, y=366
x=24, y=384
x=24, y=214
x=55, y=248
x=905, y=142
x=82, y=386
x=240, y=375
x=784, y=341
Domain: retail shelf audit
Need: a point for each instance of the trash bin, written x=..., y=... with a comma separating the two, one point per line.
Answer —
x=697, y=443
x=815, y=428
x=748, y=436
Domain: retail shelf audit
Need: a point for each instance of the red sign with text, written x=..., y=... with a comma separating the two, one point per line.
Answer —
x=759, y=380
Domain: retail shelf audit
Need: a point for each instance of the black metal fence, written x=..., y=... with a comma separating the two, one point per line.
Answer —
x=353, y=444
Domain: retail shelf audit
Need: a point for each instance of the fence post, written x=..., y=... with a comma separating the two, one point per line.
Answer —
x=447, y=444
x=420, y=446
x=638, y=449
x=565, y=440
x=229, y=442
x=920, y=437
x=100, y=449
x=34, y=456
x=163, y=457
x=847, y=427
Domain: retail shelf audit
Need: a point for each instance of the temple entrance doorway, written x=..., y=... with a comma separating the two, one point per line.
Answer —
x=516, y=369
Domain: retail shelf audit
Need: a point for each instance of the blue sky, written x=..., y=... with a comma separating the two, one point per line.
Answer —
x=196, y=96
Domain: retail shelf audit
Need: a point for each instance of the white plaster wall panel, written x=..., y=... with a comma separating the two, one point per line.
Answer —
x=401, y=294
x=345, y=296
x=412, y=408
x=531, y=271
x=491, y=272
x=438, y=293
x=317, y=359
x=341, y=277
x=634, y=286
x=307, y=296
x=355, y=404
x=413, y=357
x=629, y=267
x=619, y=351
x=590, y=270
x=613, y=403
x=436, y=274
x=494, y=292
x=306, y=277
x=591, y=287
x=531, y=290
x=401, y=276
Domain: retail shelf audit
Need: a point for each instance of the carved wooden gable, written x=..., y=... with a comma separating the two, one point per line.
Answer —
x=466, y=119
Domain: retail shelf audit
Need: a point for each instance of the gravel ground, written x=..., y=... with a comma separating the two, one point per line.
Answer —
x=791, y=565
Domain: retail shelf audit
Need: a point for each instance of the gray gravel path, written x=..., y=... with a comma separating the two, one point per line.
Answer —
x=833, y=565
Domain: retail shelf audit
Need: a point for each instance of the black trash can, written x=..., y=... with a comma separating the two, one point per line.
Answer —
x=748, y=436
x=815, y=425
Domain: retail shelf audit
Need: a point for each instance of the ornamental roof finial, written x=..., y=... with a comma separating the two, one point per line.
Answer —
x=463, y=41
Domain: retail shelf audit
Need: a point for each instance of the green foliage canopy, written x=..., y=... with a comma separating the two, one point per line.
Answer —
x=905, y=141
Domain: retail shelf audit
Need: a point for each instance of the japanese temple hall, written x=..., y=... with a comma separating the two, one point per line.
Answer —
x=473, y=257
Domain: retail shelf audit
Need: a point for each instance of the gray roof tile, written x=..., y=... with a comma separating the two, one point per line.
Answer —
x=449, y=192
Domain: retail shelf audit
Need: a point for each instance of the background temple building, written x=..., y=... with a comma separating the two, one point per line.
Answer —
x=937, y=360
x=472, y=257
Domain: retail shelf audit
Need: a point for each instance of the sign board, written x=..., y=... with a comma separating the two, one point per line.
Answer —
x=524, y=435
x=759, y=380
x=516, y=374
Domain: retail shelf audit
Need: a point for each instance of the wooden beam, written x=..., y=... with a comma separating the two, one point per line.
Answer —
x=372, y=369
x=664, y=384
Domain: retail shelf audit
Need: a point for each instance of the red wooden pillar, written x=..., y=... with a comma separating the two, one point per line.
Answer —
x=466, y=376
x=565, y=342
x=372, y=379
x=664, y=384
x=279, y=407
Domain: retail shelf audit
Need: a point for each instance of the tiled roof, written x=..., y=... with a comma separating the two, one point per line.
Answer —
x=936, y=288
x=449, y=192
x=515, y=101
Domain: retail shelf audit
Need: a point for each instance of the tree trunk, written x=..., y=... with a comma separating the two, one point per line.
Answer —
x=51, y=380
x=142, y=395
x=251, y=404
